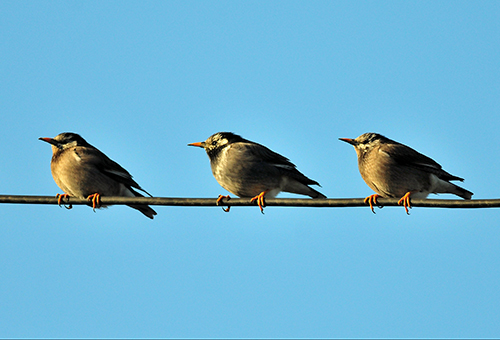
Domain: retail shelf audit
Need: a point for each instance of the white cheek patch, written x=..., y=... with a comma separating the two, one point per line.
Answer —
x=69, y=145
x=363, y=147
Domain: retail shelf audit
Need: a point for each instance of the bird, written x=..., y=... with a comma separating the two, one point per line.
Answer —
x=395, y=170
x=248, y=169
x=81, y=170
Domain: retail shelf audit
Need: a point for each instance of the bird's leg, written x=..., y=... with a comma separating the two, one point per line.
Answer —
x=60, y=197
x=219, y=201
x=96, y=200
x=260, y=200
x=372, y=200
x=405, y=200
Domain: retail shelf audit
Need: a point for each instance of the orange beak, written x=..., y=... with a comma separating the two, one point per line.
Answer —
x=199, y=144
x=348, y=140
x=47, y=139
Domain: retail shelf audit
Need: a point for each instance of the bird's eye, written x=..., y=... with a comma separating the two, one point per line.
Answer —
x=214, y=143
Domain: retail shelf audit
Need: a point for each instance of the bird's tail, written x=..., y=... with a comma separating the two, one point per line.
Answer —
x=459, y=191
x=296, y=187
x=443, y=186
x=145, y=209
x=315, y=194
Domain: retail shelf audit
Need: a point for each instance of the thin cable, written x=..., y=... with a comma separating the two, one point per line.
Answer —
x=278, y=202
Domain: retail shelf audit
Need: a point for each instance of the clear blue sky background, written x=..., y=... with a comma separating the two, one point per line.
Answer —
x=141, y=80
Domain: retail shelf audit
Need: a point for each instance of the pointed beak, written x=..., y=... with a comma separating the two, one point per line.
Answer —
x=199, y=144
x=48, y=140
x=348, y=140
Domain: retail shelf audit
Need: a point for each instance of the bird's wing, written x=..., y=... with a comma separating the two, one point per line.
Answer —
x=275, y=159
x=267, y=155
x=107, y=166
x=405, y=155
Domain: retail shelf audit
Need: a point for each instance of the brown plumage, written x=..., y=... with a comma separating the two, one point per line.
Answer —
x=81, y=170
x=249, y=169
x=393, y=169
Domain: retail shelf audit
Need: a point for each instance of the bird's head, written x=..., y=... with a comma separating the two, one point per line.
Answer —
x=366, y=141
x=216, y=142
x=65, y=140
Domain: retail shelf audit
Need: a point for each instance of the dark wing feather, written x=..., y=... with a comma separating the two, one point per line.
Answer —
x=282, y=163
x=405, y=155
x=267, y=155
x=109, y=167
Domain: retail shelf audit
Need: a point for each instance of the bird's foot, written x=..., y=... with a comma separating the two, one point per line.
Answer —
x=372, y=200
x=96, y=200
x=219, y=201
x=60, y=197
x=260, y=200
x=405, y=201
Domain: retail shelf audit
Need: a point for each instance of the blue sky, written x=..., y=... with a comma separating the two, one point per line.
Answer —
x=141, y=80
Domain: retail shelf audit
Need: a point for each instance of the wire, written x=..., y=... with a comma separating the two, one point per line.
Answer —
x=281, y=202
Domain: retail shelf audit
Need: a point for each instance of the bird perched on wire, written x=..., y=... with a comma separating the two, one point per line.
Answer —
x=393, y=169
x=81, y=170
x=248, y=169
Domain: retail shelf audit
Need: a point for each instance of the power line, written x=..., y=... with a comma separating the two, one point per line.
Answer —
x=281, y=202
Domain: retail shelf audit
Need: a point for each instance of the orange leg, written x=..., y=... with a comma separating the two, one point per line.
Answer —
x=60, y=197
x=372, y=200
x=96, y=200
x=405, y=200
x=260, y=200
x=219, y=201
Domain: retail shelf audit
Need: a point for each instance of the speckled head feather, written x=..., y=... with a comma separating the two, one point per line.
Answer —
x=216, y=142
x=66, y=140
